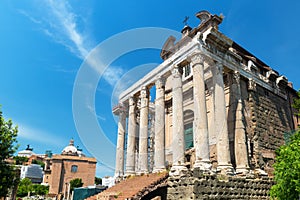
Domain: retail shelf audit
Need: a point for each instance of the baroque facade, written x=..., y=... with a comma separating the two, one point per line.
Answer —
x=60, y=169
x=217, y=107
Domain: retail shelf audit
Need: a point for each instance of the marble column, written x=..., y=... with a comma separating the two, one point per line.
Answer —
x=201, y=137
x=223, y=152
x=240, y=140
x=119, y=171
x=143, y=137
x=178, y=147
x=130, y=156
x=159, y=136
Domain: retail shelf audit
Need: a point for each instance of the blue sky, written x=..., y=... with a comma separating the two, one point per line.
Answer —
x=44, y=44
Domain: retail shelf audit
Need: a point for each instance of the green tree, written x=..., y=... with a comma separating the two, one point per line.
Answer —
x=20, y=160
x=24, y=187
x=8, y=140
x=75, y=183
x=98, y=181
x=41, y=163
x=287, y=170
x=40, y=189
x=296, y=104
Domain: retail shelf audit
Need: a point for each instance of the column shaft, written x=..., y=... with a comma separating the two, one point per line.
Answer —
x=159, y=137
x=178, y=147
x=224, y=163
x=119, y=171
x=130, y=157
x=201, y=137
x=240, y=141
x=143, y=137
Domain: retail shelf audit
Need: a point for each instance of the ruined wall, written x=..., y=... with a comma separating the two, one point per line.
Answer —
x=268, y=116
x=198, y=186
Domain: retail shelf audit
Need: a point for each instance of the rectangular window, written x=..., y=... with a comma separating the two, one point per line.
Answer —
x=187, y=70
x=74, y=168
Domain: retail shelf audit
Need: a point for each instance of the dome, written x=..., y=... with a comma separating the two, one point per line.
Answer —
x=71, y=150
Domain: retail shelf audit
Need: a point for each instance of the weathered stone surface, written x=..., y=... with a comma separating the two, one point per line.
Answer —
x=198, y=186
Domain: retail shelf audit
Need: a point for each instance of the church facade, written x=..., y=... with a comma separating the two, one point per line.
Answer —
x=60, y=169
x=217, y=107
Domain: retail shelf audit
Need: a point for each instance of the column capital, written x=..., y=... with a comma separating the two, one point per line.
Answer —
x=236, y=77
x=176, y=72
x=251, y=85
x=160, y=82
x=144, y=92
x=132, y=101
x=196, y=58
x=219, y=68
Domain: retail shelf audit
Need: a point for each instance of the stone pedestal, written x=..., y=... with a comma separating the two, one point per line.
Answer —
x=159, y=138
x=130, y=158
x=119, y=171
x=178, y=129
x=143, y=137
x=201, y=137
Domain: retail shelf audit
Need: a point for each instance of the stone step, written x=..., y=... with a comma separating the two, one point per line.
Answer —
x=130, y=187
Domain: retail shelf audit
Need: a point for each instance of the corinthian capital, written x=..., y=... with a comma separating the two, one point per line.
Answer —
x=160, y=83
x=176, y=72
x=251, y=85
x=236, y=77
x=144, y=92
x=196, y=58
x=131, y=101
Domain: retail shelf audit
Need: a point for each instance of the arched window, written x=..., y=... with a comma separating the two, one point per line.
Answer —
x=74, y=168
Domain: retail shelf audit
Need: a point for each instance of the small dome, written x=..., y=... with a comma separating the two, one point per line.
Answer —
x=71, y=150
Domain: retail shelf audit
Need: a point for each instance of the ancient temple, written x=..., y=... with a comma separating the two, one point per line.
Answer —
x=217, y=107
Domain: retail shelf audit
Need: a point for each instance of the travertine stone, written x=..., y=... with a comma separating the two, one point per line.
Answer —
x=130, y=158
x=224, y=163
x=240, y=142
x=178, y=129
x=201, y=137
x=159, y=138
x=143, y=137
x=119, y=171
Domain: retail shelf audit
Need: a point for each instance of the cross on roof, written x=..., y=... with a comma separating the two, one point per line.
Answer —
x=186, y=18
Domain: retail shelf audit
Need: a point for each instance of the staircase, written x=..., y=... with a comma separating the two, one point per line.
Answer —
x=133, y=187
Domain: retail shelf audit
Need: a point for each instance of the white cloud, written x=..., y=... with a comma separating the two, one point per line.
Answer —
x=59, y=22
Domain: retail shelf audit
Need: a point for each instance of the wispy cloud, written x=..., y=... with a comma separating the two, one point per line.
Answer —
x=92, y=110
x=37, y=135
x=59, y=22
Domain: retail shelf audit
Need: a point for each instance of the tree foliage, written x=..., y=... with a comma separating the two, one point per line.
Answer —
x=20, y=160
x=75, y=183
x=8, y=140
x=41, y=163
x=287, y=170
x=98, y=181
x=26, y=186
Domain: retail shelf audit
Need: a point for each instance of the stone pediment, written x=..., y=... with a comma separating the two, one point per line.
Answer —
x=167, y=47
